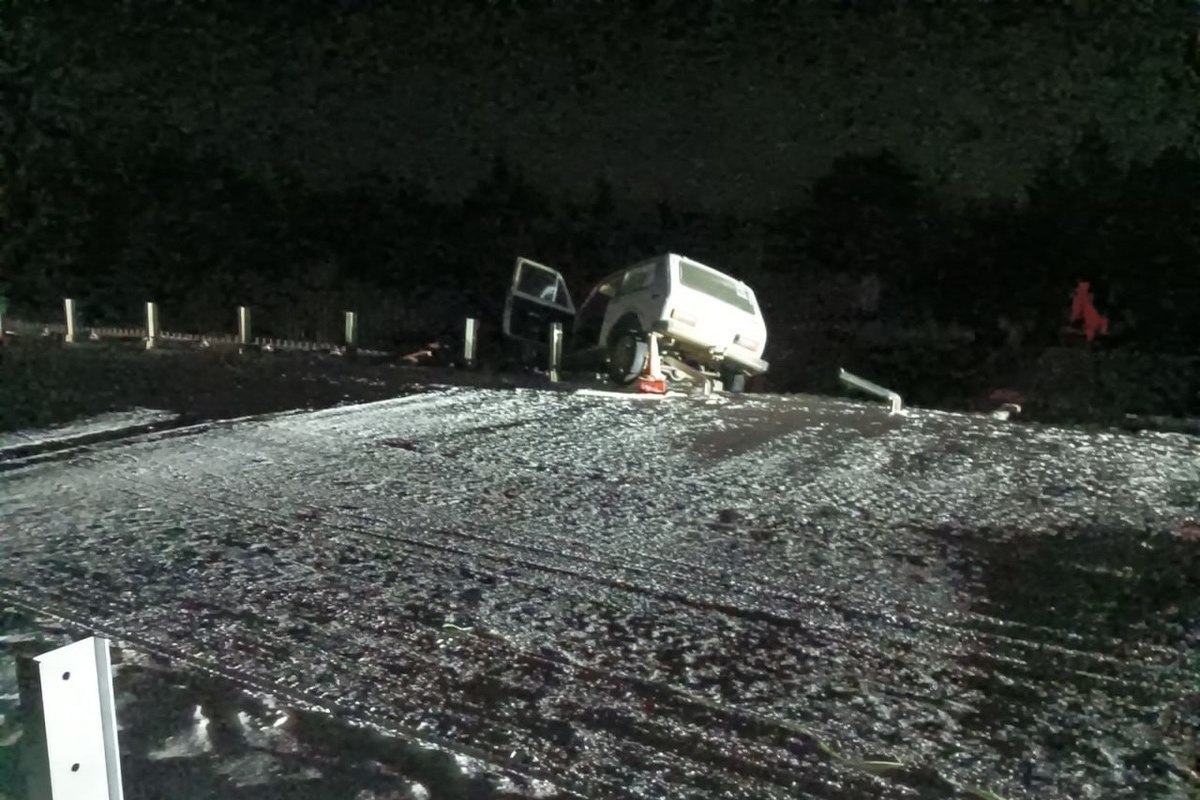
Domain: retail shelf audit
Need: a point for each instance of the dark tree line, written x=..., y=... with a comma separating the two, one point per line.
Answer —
x=201, y=236
x=134, y=167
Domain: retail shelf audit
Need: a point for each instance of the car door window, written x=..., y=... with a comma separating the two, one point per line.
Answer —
x=538, y=298
x=540, y=283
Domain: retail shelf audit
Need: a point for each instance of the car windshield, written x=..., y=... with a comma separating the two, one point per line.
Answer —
x=714, y=284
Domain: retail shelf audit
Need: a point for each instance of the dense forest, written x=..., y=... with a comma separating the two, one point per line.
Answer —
x=971, y=160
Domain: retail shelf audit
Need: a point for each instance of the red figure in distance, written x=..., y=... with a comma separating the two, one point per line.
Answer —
x=1082, y=308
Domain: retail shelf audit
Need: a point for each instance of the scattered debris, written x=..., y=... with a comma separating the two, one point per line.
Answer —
x=1189, y=530
x=431, y=354
x=1006, y=411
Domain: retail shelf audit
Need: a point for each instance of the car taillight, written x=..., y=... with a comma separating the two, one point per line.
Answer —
x=679, y=316
x=748, y=342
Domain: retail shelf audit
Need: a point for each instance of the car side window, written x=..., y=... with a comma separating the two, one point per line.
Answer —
x=637, y=279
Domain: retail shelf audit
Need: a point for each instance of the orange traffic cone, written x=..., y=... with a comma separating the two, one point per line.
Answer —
x=652, y=380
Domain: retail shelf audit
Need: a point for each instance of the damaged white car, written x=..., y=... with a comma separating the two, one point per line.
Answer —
x=708, y=323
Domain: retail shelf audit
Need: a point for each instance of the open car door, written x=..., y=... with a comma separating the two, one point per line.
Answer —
x=537, y=298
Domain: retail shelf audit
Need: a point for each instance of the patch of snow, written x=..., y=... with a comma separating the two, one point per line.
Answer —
x=543, y=788
x=468, y=765
x=188, y=744
x=102, y=423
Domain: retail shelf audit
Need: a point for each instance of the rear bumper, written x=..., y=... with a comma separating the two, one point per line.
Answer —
x=741, y=360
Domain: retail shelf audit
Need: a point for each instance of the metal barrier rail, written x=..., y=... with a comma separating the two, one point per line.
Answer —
x=896, y=404
x=24, y=327
x=152, y=334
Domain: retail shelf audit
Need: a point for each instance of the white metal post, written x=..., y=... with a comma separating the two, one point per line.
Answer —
x=81, y=721
x=69, y=310
x=351, y=331
x=243, y=325
x=470, y=335
x=555, y=350
x=895, y=403
x=152, y=332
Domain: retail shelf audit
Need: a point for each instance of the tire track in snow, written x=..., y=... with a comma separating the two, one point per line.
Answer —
x=606, y=559
x=812, y=598
x=972, y=622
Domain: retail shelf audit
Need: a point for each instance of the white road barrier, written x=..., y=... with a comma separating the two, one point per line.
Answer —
x=896, y=404
x=81, y=721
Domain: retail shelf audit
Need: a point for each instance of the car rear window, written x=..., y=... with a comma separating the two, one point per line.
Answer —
x=715, y=285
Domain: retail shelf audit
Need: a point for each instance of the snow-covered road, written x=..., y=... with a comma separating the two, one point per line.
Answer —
x=694, y=597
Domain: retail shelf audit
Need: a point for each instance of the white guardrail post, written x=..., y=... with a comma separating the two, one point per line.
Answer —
x=81, y=721
x=244, y=326
x=470, y=336
x=556, y=338
x=351, y=332
x=69, y=311
x=152, y=330
x=895, y=403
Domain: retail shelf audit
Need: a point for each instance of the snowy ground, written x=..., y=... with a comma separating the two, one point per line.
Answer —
x=727, y=597
x=101, y=424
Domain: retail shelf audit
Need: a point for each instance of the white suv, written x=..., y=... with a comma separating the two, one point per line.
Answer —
x=705, y=318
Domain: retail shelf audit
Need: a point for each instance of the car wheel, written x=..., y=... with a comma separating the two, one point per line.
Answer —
x=627, y=354
x=733, y=381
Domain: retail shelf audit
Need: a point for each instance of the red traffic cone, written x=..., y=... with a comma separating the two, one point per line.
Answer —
x=652, y=380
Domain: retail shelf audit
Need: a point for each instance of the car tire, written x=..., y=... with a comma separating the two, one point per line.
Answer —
x=627, y=353
x=734, y=382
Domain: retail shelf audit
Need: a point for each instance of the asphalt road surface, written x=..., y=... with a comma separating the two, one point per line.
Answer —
x=742, y=597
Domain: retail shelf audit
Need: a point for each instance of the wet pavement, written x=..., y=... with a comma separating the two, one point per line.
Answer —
x=701, y=597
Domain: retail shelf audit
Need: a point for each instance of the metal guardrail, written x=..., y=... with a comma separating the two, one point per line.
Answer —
x=895, y=403
x=152, y=334
x=26, y=328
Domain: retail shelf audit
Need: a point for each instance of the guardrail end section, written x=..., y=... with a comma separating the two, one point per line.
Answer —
x=81, y=721
x=893, y=399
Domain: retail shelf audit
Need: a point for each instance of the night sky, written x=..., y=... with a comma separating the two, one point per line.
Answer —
x=719, y=105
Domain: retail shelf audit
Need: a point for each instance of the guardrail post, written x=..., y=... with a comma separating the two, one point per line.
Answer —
x=81, y=721
x=351, y=332
x=69, y=310
x=152, y=329
x=244, y=326
x=556, y=335
x=470, y=337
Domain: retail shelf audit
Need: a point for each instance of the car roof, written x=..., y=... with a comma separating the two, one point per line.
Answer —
x=657, y=259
